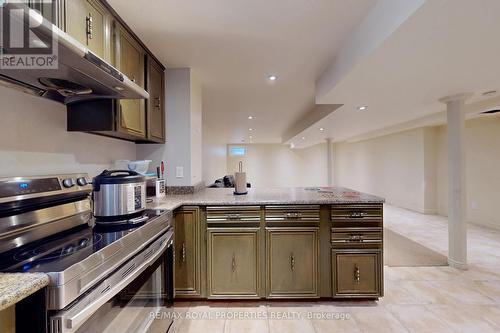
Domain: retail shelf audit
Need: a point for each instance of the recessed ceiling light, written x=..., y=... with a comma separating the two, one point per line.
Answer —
x=292, y=145
x=362, y=108
x=251, y=137
x=272, y=77
x=321, y=129
x=303, y=138
x=250, y=129
x=250, y=117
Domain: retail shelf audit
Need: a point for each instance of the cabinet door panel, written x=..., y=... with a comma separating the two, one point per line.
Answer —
x=96, y=40
x=356, y=273
x=132, y=114
x=76, y=19
x=233, y=263
x=155, y=104
x=187, y=252
x=292, y=262
x=86, y=21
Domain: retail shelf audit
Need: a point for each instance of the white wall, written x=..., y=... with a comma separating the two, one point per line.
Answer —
x=390, y=166
x=214, y=155
x=276, y=165
x=482, y=151
x=34, y=140
x=183, y=147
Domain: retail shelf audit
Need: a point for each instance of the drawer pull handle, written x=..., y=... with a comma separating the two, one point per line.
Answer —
x=183, y=252
x=356, y=238
x=292, y=215
x=234, y=216
x=357, y=274
x=233, y=263
x=292, y=262
x=357, y=215
x=89, y=29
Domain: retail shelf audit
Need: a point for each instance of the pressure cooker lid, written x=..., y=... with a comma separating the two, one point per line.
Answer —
x=117, y=177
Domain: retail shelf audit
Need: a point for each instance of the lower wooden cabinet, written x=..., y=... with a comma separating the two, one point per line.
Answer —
x=233, y=262
x=187, y=253
x=292, y=262
x=357, y=273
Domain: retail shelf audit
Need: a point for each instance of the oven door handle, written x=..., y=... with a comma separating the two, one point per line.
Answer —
x=72, y=321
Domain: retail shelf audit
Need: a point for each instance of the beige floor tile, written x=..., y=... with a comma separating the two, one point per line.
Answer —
x=462, y=292
x=202, y=326
x=468, y=318
x=246, y=326
x=376, y=319
x=290, y=326
x=417, y=318
x=335, y=326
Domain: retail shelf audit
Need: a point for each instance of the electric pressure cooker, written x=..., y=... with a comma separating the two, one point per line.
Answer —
x=118, y=196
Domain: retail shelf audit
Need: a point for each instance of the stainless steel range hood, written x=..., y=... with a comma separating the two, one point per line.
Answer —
x=80, y=74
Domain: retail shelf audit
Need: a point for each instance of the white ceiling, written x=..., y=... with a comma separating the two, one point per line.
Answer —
x=445, y=47
x=233, y=45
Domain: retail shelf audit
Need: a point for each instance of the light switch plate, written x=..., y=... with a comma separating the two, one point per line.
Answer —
x=179, y=172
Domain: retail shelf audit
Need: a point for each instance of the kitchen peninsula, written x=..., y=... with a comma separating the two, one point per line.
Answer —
x=277, y=243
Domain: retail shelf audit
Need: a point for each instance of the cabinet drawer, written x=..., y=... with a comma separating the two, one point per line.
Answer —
x=292, y=214
x=357, y=273
x=232, y=214
x=356, y=213
x=233, y=263
x=354, y=236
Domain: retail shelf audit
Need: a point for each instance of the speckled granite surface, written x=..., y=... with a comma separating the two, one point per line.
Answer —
x=16, y=286
x=266, y=196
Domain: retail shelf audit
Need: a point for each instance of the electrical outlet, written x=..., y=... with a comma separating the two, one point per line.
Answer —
x=179, y=172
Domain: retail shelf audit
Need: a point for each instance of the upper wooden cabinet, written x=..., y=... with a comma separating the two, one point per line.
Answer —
x=129, y=59
x=88, y=22
x=155, y=105
x=96, y=25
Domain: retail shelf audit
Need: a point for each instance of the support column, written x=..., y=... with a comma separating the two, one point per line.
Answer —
x=457, y=227
x=329, y=161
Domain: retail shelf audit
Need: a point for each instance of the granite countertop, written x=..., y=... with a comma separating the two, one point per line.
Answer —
x=266, y=196
x=16, y=286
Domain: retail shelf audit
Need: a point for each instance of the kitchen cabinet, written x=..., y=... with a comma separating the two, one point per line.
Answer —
x=47, y=9
x=96, y=25
x=88, y=22
x=187, y=252
x=292, y=262
x=129, y=59
x=357, y=247
x=356, y=273
x=155, y=105
x=233, y=263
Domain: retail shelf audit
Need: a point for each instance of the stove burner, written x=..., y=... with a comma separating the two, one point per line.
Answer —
x=56, y=250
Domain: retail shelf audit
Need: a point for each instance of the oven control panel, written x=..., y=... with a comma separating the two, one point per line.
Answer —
x=17, y=188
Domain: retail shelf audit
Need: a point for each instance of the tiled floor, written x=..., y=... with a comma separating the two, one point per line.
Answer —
x=417, y=299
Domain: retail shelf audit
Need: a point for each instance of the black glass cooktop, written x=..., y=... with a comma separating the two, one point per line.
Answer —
x=57, y=252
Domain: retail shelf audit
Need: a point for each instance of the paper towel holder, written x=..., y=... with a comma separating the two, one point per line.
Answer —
x=240, y=181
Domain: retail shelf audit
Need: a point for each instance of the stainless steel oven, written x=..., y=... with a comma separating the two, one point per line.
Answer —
x=134, y=298
x=102, y=278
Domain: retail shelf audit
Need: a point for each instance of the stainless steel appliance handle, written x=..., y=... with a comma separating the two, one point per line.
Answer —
x=74, y=321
